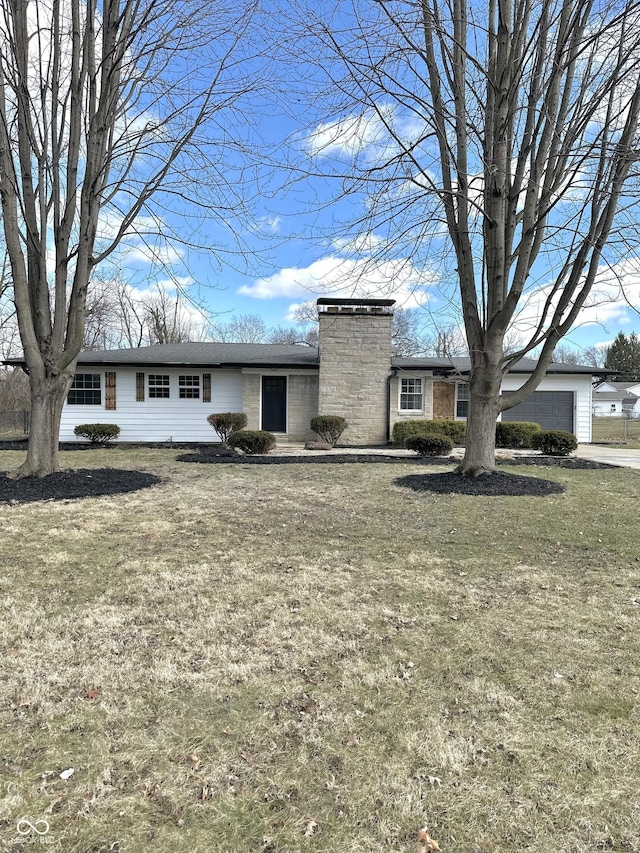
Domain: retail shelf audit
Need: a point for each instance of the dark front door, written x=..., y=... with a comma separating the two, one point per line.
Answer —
x=274, y=403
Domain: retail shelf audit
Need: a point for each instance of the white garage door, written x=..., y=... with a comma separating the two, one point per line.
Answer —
x=550, y=409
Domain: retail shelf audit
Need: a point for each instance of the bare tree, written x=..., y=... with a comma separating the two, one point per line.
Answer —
x=102, y=316
x=406, y=339
x=119, y=315
x=564, y=354
x=415, y=332
x=284, y=335
x=243, y=329
x=305, y=316
x=111, y=114
x=14, y=390
x=500, y=138
x=594, y=356
x=168, y=321
x=9, y=337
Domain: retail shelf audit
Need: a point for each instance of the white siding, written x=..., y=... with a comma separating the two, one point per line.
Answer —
x=607, y=409
x=159, y=420
x=581, y=387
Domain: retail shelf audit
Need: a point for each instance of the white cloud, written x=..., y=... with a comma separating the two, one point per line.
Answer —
x=270, y=224
x=164, y=287
x=362, y=244
x=142, y=253
x=616, y=288
x=344, y=277
x=143, y=241
x=347, y=136
x=373, y=133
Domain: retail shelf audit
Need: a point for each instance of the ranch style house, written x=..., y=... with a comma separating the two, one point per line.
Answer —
x=164, y=393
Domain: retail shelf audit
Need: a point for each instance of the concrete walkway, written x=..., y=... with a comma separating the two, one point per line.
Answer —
x=597, y=452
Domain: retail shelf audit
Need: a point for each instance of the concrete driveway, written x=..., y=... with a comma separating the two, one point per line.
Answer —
x=611, y=455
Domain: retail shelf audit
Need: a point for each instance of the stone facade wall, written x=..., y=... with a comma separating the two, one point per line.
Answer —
x=303, y=405
x=444, y=400
x=355, y=363
x=427, y=397
x=251, y=385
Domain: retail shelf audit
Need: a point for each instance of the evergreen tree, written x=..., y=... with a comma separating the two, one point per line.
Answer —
x=623, y=356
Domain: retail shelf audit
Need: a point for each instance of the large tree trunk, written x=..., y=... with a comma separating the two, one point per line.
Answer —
x=48, y=394
x=484, y=394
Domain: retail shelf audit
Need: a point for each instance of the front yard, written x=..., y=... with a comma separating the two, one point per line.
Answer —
x=313, y=658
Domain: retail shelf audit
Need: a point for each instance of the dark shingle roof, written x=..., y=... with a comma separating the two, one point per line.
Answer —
x=208, y=355
x=619, y=386
x=463, y=366
x=615, y=397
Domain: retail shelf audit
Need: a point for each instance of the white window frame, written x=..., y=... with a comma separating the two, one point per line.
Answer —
x=156, y=383
x=82, y=391
x=463, y=399
x=401, y=393
x=189, y=386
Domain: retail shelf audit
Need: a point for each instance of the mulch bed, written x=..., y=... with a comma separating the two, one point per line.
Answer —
x=311, y=459
x=498, y=483
x=495, y=484
x=206, y=457
x=71, y=485
x=86, y=483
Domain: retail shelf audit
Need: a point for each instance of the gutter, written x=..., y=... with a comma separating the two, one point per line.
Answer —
x=392, y=375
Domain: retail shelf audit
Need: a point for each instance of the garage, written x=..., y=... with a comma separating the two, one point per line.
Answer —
x=550, y=409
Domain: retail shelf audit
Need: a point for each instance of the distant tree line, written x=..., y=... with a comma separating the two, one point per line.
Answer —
x=622, y=355
x=119, y=316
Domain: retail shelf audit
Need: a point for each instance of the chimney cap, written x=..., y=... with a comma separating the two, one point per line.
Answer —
x=370, y=303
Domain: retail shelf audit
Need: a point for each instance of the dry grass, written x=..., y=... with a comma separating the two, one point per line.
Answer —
x=310, y=658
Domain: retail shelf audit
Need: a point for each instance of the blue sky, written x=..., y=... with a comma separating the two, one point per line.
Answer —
x=290, y=248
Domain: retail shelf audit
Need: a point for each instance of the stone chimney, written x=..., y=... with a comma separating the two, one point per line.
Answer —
x=355, y=363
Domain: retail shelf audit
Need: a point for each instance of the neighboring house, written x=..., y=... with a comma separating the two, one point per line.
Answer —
x=617, y=400
x=164, y=393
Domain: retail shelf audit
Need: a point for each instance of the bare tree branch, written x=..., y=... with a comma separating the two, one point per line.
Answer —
x=112, y=112
x=506, y=136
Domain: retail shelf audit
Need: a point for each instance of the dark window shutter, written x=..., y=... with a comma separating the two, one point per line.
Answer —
x=206, y=387
x=139, y=387
x=110, y=389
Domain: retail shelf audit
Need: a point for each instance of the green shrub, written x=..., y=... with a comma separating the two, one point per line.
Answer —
x=555, y=442
x=224, y=423
x=252, y=441
x=97, y=433
x=403, y=429
x=455, y=430
x=329, y=427
x=430, y=444
x=515, y=433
